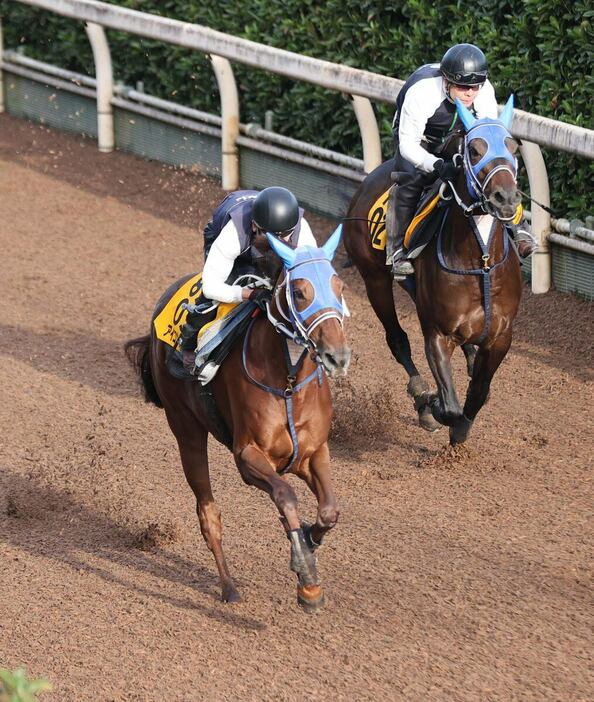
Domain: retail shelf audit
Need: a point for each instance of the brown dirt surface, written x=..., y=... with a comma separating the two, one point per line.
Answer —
x=452, y=575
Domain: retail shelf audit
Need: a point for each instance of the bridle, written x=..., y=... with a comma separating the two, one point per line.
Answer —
x=493, y=133
x=295, y=324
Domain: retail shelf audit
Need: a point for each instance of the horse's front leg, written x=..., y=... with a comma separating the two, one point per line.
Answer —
x=256, y=469
x=319, y=480
x=446, y=406
x=486, y=363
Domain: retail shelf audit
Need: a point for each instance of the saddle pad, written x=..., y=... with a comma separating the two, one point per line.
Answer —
x=420, y=220
x=169, y=321
x=377, y=221
x=212, y=328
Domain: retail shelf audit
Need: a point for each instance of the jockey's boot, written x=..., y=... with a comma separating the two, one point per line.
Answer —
x=188, y=340
x=401, y=266
x=526, y=243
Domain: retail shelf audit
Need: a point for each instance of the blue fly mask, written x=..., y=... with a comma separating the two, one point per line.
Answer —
x=313, y=265
x=494, y=133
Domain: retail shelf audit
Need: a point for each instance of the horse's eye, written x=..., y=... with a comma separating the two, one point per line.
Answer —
x=473, y=152
x=298, y=294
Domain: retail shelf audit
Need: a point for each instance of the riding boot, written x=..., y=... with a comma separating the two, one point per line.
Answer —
x=401, y=267
x=390, y=217
x=188, y=340
x=526, y=243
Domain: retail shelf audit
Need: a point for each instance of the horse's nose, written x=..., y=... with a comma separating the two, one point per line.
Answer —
x=505, y=201
x=336, y=361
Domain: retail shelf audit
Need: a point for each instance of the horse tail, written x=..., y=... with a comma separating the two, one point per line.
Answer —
x=137, y=352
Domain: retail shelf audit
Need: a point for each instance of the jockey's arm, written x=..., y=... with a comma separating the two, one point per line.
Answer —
x=415, y=112
x=218, y=266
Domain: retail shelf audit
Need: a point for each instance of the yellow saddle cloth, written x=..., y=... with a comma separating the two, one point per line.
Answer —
x=170, y=320
x=377, y=220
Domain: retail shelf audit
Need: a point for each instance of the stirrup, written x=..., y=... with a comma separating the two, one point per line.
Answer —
x=402, y=267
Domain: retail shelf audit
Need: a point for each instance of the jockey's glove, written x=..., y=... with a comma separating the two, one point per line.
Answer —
x=260, y=296
x=446, y=170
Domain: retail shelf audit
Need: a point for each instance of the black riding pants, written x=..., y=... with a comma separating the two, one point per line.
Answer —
x=407, y=195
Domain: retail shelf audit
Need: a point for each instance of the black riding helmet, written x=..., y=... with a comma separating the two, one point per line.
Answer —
x=464, y=64
x=275, y=210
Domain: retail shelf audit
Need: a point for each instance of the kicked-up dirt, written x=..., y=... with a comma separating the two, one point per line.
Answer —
x=452, y=575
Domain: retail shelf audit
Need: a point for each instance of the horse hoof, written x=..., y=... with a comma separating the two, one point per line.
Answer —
x=459, y=432
x=310, y=597
x=427, y=421
x=231, y=596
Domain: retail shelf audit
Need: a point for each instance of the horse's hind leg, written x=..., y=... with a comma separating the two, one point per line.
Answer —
x=194, y=459
x=380, y=294
x=470, y=351
x=257, y=470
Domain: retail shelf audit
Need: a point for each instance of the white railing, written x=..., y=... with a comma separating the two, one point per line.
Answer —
x=360, y=85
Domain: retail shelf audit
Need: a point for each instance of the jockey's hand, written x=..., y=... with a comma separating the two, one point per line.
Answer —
x=260, y=296
x=446, y=170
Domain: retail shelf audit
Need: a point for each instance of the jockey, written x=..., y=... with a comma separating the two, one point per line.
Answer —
x=231, y=238
x=425, y=115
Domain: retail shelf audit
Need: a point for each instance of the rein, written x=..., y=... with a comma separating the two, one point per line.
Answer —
x=481, y=204
x=293, y=329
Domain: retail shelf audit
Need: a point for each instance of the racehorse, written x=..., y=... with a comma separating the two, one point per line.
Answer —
x=467, y=282
x=273, y=397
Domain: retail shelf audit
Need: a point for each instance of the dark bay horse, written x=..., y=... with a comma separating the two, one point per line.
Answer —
x=273, y=396
x=467, y=283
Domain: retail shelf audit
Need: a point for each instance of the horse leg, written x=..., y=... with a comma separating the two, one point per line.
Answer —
x=446, y=406
x=381, y=296
x=194, y=459
x=319, y=481
x=257, y=470
x=486, y=363
x=470, y=351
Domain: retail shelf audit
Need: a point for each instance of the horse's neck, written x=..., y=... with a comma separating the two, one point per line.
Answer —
x=268, y=346
x=459, y=239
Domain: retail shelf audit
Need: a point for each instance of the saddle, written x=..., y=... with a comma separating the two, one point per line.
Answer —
x=428, y=218
x=431, y=211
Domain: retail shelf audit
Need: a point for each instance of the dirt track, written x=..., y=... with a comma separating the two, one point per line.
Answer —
x=451, y=576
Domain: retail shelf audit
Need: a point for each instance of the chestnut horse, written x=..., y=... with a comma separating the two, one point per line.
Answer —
x=467, y=283
x=272, y=395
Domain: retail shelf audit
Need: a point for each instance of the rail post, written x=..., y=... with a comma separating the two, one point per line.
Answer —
x=104, y=76
x=230, y=124
x=372, y=148
x=541, y=220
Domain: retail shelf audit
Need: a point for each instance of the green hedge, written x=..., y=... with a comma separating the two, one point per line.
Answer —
x=542, y=50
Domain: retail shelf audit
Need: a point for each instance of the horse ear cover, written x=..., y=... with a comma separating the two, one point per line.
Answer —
x=507, y=114
x=284, y=252
x=468, y=119
x=331, y=245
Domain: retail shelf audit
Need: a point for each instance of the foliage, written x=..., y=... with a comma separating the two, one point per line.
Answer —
x=542, y=50
x=15, y=687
